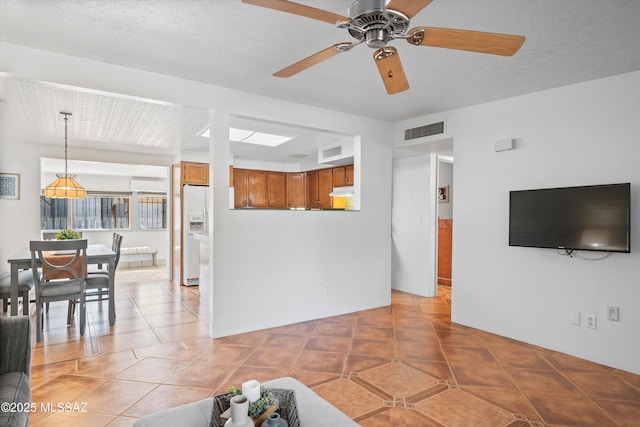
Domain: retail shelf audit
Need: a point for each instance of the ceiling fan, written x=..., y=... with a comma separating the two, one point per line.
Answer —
x=373, y=23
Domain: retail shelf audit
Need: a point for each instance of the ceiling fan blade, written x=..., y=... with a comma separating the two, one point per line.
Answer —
x=299, y=9
x=391, y=71
x=312, y=60
x=474, y=41
x=408, y=7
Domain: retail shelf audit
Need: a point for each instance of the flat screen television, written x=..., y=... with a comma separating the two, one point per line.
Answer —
x=590, y=218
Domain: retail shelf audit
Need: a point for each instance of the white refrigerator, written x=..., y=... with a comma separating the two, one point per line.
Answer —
x=194, y=214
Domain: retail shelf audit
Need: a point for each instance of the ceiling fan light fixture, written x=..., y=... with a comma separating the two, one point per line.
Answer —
x=65, y=186
x=377, y=38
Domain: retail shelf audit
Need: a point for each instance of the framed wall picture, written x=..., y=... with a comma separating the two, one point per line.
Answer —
x=9, y=186
x=443, y=194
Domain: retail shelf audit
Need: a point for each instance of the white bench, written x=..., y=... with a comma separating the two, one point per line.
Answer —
x=140, y=253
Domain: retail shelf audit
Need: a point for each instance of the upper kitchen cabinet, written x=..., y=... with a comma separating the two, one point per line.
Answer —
x=319, y=185
x=240, y=184
x=296, y=190
x=277, y=190
x=349, y=172
x=325, y=186
x=250, y=188
x=289, y=190
x=277, y=165
x=313, y=194
x=258, y=189
x=195, y=173
x=343, y=176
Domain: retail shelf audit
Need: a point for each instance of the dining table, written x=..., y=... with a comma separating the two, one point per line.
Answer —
x=96, y=254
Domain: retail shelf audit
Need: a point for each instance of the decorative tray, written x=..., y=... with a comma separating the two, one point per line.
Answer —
x=287, y=408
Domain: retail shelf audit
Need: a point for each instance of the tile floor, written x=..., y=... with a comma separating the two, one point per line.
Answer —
x=403, y=365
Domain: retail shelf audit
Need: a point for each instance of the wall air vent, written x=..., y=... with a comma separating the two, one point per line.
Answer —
x=422, y=131
x=332, y=152
x=336, y=154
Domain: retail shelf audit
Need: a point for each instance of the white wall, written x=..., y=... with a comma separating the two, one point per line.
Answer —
x=575, y=135
x=269, y=268
x=410, y=228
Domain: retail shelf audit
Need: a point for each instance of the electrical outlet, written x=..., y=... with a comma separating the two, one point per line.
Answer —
x=326, y=289
x=613, y=313
x=590, y=321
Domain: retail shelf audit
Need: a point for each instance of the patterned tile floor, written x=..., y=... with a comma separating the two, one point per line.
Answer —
x=403, y=365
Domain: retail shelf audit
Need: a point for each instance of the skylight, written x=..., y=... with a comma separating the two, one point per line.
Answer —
x=259, y=138
x=251, y=137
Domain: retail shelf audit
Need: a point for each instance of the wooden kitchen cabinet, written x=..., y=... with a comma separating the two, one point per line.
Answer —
x=325, y=186
x=277, y=190
x=296, y=197
x=250, y=188
x=349, y=174
x=320, y=183
x=258, y=185
x=343, y=176
x=194, y=173
x=339, y=176
x=240, y=188
x=283, y=190
x=313, y=197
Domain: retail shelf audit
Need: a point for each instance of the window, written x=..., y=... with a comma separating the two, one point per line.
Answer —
x=101, y=212
x=53, y=214
x=98, y=211
x=152, y=210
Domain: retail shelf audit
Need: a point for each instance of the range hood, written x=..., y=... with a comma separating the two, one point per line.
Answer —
x=346, y=191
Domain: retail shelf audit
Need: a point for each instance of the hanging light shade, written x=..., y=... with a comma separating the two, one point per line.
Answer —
x=65, y=187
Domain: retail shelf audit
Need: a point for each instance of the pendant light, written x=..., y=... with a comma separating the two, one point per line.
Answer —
x=65, y=187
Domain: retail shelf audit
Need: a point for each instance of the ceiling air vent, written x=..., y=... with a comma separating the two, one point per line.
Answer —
x=422, y=131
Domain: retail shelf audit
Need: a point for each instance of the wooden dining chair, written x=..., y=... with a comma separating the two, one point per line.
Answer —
x=116, y=243
x=61, y=276
x=97, y=283
x=25, y=284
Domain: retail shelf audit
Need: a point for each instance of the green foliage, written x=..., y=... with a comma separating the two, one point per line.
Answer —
x=68, y=235
x=259, y=406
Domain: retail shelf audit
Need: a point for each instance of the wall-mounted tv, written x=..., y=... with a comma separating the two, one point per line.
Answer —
x=590, y=218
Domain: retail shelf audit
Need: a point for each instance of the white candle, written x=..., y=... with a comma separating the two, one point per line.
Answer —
x=251, y=389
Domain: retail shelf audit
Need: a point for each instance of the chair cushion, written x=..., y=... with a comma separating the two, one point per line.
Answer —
x=97, y=281
x=14, y=387
x=64, y=287
x=25, y=281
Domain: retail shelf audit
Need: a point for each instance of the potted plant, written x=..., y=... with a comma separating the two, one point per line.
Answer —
x=68, y=235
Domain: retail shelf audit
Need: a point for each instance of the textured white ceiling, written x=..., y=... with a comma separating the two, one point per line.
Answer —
x=99, y=118
x=231, y=44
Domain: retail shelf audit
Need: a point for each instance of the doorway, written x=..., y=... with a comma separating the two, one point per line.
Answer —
x=442, y=193
x=445, y=220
